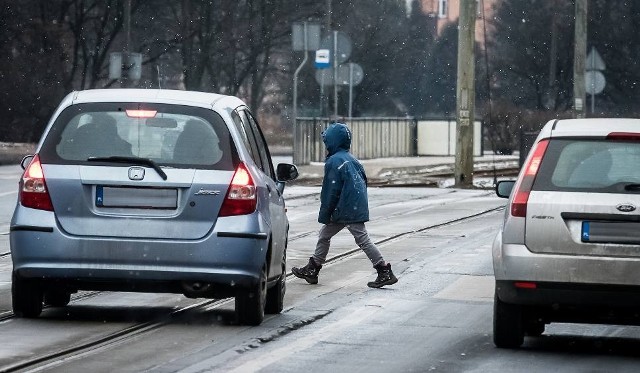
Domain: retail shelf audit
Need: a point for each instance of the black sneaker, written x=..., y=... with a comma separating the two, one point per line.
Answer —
x=308, y=272
x=385, y=276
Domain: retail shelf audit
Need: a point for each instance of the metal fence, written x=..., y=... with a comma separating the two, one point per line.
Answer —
x=372, y=138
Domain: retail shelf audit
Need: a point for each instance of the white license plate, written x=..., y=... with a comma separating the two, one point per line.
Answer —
x=142, y=198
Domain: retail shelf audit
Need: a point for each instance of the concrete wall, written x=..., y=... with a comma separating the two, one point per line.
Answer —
x=438, y=137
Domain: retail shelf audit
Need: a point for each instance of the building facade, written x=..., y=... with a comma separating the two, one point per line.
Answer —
x=448, y=11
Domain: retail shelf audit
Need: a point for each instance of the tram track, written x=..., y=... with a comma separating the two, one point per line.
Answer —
x=395, y=215
x=100, y=343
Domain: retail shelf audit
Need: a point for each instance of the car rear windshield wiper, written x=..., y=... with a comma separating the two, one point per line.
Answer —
x=132, y=161
x=632, y=186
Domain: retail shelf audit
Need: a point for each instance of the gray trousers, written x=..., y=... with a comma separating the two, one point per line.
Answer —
x=359, y=233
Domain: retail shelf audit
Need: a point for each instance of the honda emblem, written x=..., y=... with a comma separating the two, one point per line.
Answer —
x=136, y=173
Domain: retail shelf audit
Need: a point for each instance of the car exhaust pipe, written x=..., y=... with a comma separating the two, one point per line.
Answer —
x=196, y=289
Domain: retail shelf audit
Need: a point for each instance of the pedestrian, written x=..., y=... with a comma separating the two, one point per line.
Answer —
x=344, y=203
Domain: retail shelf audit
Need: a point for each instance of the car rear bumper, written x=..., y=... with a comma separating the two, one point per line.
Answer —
x=551, y=279
x=516, y=262
x=225, y=261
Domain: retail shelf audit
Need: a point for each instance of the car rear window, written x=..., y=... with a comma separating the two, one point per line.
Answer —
x=171, y=135
x=581, y=165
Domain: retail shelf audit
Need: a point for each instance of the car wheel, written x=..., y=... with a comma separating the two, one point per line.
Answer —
x=250, y=303
x=26, y=296
x=275, y=295
x=57, y=298
x=508, y=328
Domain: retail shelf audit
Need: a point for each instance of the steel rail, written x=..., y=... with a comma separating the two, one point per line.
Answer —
x=54, y=358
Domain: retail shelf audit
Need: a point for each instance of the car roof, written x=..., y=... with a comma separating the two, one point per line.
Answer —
x=161, y=96
x=597, y=127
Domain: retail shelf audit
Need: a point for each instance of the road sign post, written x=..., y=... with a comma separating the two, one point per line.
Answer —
x=594, y=79
x=306, y=37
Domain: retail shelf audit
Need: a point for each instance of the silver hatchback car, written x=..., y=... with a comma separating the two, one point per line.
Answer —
x=151, y=191
x=569, y=247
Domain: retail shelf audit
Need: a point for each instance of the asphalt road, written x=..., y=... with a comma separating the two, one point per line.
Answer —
x=438, y=317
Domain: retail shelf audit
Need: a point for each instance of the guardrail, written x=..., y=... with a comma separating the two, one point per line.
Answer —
x=372, y=138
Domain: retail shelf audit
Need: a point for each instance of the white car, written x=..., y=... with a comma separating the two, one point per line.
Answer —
x=151, y=191
x=569, y=247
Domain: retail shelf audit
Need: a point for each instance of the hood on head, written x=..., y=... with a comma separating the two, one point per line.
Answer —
x=336, y=137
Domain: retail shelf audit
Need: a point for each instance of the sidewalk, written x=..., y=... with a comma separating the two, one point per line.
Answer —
x=420, y=171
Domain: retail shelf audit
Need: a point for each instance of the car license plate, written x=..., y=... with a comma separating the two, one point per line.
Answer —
x=610, y=232
x=142, y=198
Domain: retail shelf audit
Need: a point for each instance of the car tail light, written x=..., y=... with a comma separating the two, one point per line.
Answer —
x=624, y=136
x=141, y=113
x=241, y=197
x=33, y=188
x=520, y=199
x=525, y=285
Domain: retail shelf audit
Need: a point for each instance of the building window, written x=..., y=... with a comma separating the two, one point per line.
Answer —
x=442, y=8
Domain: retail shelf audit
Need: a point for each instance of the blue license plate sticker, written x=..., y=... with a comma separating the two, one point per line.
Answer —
x=99, y=196
x=586, y=229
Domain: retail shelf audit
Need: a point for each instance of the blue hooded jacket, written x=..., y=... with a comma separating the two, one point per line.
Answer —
x=343, y=198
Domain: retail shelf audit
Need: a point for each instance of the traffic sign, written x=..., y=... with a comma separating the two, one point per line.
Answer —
x=343, y=43
x=594, y=61
x=594, y=82
x=323, y=58
x=324, y=77
x=312, y=33
x=350, y=73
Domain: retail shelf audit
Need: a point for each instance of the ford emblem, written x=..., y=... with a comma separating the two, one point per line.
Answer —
x=626, y=207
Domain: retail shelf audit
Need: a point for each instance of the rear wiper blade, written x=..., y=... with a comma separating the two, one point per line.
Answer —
x=632, y=186
x=132, y=161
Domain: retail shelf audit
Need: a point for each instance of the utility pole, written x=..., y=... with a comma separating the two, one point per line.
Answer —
x=579, y=56
x=465, y=103
x=127, y=42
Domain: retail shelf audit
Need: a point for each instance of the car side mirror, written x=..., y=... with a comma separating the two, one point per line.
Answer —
x=286, y=172
x=26, y=160
x=504, y=187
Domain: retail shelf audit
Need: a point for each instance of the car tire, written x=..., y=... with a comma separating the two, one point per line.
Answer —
x=275, y=295
x=508, y=326
x=56, y=298
x=250, y=303
x=26, y=296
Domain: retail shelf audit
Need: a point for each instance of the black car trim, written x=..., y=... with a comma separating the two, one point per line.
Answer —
x=259, y=236
x=32, y=228
x=595, y=217
x=566, y=293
